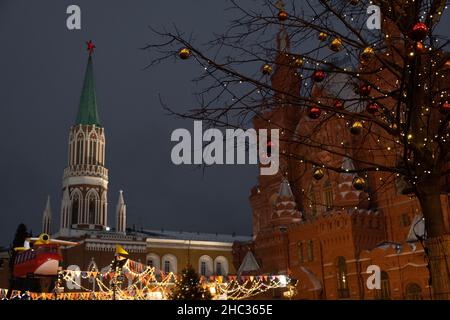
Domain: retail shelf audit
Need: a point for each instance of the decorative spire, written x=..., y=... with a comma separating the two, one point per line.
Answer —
x=47, y=217
x=121, y=214
x=285, y=206
x=87, y=111
x=280, y=5
x=348, y=165
x=282, y=36
x=90, y=47
x=285, y=190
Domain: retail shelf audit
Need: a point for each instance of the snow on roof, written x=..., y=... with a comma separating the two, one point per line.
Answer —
x=317, y=285
x=285, y=189
x=417, y=229
x=248, y=264
x=196, y=236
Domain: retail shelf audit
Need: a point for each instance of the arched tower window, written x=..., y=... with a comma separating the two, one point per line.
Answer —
x=328, y=195
x=80, y=148
x=385, y=291
x=93, y=150
x=342, y=281
x=413, y=292
x=92, y=205
x=75, y=208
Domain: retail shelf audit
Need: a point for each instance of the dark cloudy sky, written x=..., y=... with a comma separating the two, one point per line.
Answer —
x=41, y=71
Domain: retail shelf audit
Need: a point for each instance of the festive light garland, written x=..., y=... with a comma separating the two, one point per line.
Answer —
x=145, y=283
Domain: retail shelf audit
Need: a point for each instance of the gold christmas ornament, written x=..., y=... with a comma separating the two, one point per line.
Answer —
x=367, y=54
x=336, y=44
x=359, y=183
x=318, y=173
x=298, y=62
x=184, y=53
x=323, y=36
x=409, y=137
x=356, y=127
x=266, y=69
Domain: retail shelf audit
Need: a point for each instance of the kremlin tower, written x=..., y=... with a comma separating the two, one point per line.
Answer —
x=85, y=179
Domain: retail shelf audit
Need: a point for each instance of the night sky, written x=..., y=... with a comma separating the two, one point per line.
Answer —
x=42, y=66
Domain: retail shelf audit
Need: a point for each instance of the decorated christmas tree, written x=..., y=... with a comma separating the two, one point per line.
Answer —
x=188, y=287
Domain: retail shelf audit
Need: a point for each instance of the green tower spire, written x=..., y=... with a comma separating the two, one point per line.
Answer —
x=87, y=111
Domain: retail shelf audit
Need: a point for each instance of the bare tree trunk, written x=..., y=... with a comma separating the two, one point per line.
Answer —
x=438, y=242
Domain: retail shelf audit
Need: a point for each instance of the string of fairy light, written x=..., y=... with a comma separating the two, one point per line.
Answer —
x=135, y=281
x=374, y=94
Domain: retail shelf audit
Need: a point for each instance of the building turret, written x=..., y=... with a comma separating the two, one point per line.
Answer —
x=85, y=178
x=47, y=217
x=121, y=214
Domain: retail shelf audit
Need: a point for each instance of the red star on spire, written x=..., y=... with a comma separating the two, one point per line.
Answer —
x=90, y=47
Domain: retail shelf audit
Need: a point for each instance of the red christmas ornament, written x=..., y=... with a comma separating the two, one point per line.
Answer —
x=90, y=47
x=318, y=75
x=444, y=107
x=314, y=113
x=418, y=31
x=373, y=108
x=364, y=90
x=339, y=105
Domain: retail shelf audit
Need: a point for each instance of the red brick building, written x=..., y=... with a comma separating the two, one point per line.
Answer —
x=324, y=232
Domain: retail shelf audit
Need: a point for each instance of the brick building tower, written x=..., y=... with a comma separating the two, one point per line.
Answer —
x=324, y=232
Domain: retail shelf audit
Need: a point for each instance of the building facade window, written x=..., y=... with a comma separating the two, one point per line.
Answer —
x=205, y=265
x=310, y=250
x=221, y=266
x=167, y=266
x=169, y=263
x=203, y=268
x=153, y=261
x=342, y=281
x=384, y=293
x=413, y=292
x=301, y=257
x=328, y=196
x=219, y=269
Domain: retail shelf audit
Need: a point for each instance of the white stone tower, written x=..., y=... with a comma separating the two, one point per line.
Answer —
x=85, y=179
